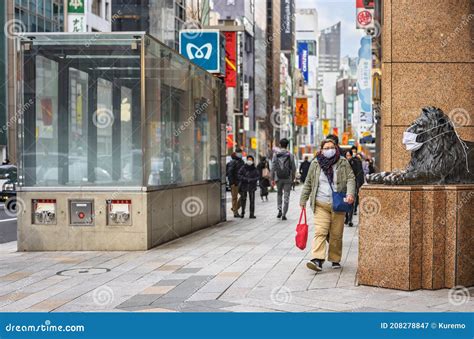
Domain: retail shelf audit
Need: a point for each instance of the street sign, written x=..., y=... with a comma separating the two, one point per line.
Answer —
x=75, y=6
x=365, y=14
x=202, y=46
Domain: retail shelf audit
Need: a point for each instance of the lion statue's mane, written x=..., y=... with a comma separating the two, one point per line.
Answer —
x=443, y=159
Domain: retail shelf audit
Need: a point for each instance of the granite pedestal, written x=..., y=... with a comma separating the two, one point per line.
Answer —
x=416, y=237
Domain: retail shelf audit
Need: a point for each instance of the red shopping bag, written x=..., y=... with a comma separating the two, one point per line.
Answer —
x=302, y=231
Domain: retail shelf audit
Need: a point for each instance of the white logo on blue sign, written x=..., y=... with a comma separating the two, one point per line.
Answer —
x=202, y=48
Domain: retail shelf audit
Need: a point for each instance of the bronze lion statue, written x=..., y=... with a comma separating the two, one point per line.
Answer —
x=438, y=155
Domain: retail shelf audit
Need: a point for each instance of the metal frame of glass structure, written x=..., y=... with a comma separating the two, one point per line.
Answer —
x=107, y=110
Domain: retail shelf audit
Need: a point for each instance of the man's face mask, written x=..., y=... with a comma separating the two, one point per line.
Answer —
x=409, y=138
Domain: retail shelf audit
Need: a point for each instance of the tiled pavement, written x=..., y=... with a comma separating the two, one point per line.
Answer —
x=241, y=265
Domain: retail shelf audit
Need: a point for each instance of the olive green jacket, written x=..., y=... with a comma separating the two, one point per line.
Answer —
x=345, y=181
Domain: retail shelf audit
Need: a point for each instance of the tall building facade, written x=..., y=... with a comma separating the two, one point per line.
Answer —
x=329, y=50
x=161, y=18
x=307, y=42
x=261, y=43
x=328, y=72
x=239, y=17
x=3, y=82
x=273, y=71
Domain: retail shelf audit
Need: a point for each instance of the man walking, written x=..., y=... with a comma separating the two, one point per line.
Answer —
x=233, y=168
x=283, y=173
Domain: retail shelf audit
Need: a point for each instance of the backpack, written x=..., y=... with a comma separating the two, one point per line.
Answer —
x=283, y=166
x=266, y=173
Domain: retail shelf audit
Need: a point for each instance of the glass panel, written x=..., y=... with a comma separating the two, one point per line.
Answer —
x=103, y=119
x=78, y=123
x=48, y=10
x=47, y=156
x=182, y=143
x=40, y=4
x=97, y=138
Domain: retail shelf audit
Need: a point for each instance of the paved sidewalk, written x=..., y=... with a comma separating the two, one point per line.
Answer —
x=242, y=265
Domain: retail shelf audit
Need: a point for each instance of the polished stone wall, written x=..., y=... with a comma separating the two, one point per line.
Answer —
x=427, y=60
x=416, y=237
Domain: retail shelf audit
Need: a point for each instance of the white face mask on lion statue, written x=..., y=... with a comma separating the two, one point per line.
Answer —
x=438, y=154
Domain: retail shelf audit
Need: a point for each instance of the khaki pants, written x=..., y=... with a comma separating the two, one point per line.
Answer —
x=234, y=191
x=327, y=223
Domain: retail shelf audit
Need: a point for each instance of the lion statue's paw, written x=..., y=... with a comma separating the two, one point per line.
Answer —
x=394, y=178
x=376, y=178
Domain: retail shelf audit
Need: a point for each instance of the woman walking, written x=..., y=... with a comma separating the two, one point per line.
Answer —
x=264, y=177
x=330, y=172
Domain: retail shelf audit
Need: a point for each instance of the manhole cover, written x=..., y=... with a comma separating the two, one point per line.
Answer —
x=83, y=271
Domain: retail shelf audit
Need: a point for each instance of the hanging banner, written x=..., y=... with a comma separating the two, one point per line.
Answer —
x=287, y=11
x=230, y=59
x=301, y=112
x=326, y=127
x=365, y=14
x=364, y=80
x=303, y=59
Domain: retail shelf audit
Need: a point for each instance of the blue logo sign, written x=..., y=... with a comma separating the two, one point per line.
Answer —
x=201, y=47
x=303, y=54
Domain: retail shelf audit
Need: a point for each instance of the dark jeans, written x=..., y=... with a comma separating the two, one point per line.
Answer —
x=350, y=214
x=243, y=201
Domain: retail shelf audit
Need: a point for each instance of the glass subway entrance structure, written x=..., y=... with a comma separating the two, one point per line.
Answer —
x=119, y=143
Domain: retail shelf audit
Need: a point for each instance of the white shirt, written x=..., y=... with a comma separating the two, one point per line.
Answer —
x=324, y=193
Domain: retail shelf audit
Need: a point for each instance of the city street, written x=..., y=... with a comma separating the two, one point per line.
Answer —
x=7, y=226
x=241, y=265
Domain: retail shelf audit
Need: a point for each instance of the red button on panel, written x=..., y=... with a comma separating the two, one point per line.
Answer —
x=81, y=215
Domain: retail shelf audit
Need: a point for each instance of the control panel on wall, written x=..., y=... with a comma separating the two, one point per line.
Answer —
x=44, y=211
x=81, y=212
x=119, y=212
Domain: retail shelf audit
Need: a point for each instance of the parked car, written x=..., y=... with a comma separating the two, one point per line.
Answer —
x=8, y=182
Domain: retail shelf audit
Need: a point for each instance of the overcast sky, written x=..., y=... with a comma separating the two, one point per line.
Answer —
x=332, y=11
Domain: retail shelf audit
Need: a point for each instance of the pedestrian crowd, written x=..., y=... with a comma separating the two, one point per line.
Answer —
x=334, y=172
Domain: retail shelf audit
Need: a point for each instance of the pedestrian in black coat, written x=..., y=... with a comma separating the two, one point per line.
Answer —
x=264, y=177
x=358, y=170
x=248, y=178
x=232, y=169
x=304, y=167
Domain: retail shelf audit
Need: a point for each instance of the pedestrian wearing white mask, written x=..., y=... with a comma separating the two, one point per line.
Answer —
x=330, y=172
x=248, y=178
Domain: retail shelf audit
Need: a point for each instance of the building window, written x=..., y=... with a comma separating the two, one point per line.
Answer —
x=107, y=11
x=97, y=7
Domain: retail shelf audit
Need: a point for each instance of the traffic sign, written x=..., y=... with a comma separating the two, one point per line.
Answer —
x=201, y=46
